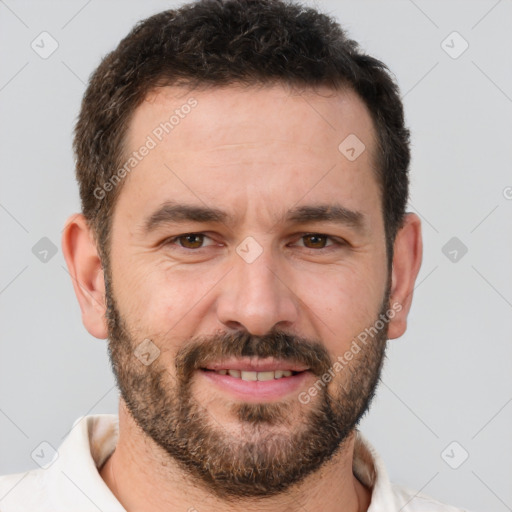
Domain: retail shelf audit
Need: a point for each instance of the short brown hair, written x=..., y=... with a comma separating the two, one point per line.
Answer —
x=222, y=42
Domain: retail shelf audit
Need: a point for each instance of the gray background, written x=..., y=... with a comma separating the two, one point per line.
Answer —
x=447, y=379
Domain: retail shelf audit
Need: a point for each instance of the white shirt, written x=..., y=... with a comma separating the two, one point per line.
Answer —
x=72, y=483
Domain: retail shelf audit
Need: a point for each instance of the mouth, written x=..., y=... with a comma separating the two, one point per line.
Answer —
x=256, y=380
x=249, y=375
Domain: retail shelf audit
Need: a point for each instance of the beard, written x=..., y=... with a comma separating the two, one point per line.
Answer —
x=275, y=445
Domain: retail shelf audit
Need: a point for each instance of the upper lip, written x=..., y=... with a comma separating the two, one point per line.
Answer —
x=256, y=365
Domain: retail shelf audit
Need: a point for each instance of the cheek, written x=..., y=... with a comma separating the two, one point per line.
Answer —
x=343, y=303
x=155, y=307
x=167, y=301
x=143, y=298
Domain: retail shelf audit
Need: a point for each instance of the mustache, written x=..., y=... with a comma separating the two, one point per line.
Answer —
x=202, y=351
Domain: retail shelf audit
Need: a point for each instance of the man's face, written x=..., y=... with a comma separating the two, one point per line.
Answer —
x=283, y=276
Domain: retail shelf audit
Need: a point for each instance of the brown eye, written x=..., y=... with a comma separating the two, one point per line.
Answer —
x=315, y=241
x=191, y=241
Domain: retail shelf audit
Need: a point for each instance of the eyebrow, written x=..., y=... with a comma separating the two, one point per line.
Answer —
x=172, y=212
x=335, y=213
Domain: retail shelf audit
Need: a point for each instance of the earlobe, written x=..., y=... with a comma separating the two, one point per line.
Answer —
x=407, y=257
x=86, y=271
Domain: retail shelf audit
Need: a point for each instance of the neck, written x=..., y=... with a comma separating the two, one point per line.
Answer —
x=144, y=478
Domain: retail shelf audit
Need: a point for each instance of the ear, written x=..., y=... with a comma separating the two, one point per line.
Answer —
x=407, y=256
x=86, y=272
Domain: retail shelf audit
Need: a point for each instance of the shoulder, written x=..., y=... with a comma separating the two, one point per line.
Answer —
x=23, y=491
x=386, y=496
x=71, y=480
x=412, y=501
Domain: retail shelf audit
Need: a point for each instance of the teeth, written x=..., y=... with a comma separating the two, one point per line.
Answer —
x=253, y=376
x=266, y=376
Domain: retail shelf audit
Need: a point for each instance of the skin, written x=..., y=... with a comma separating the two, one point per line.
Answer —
x=255, y=153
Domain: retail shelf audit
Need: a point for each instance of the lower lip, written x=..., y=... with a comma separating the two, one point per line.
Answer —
x=256, y=391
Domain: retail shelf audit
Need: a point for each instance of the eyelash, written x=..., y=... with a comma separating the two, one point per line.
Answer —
x=335, y=242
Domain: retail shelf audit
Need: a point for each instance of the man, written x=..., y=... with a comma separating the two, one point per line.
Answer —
x=244, y=246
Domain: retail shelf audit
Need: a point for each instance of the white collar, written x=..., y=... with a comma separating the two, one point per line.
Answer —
x=74, y=483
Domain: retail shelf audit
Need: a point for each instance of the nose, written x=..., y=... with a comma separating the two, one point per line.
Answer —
x=257, y=297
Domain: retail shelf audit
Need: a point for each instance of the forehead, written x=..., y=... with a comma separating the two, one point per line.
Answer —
x=236, y=113
x=230, y=144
